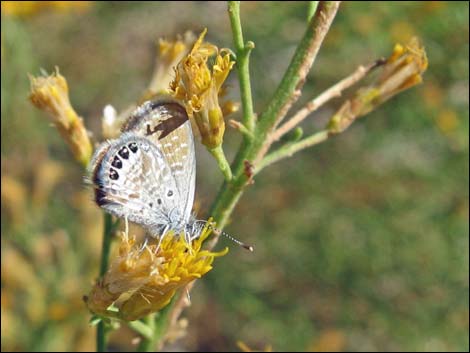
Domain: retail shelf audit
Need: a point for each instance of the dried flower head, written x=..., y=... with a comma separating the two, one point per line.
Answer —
x=51, y=94
x=402, y=70
x=141, y=281
x=170, y=53
x=200, y=86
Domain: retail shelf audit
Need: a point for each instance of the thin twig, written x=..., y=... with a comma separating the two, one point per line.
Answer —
x=147, y=343
x=180, y=304
x=290, y=87
x=241, y=128
x=289, y=149
x=312, y=7
x=143, y=328
x=109, y=228
x=243, y=51
x=158, y=323
x=330, y=93
x=224, y=166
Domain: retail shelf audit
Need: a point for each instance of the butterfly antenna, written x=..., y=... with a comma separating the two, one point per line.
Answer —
x=236, y=241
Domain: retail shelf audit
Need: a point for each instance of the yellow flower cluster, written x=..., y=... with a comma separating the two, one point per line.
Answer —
x=200, y=87
x=169, y=54
x=142, y=281
x=51, y=94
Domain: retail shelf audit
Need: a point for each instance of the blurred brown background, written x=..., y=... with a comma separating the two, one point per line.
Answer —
x=361, y=243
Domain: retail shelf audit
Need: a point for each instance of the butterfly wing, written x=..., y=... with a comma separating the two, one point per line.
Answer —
x=166, y=124
x=132, y=179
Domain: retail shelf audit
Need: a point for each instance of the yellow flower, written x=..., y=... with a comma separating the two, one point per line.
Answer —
x=140, y=282
x=27, y=8
x=200, y=86
x=401, y=71
x=50, y=94
x=169, y=54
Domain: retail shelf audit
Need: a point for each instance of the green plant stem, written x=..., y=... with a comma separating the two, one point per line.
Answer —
x=285, y=95
x=240, y=127
x=290, y=148
x=106, y=244
x=226, y=200
x=224, y=166
x=148, y=342
x=287, y=92
x=100, y=337
x=242, y=51
x=105, y=250
x=312, y=7
x=141, y=327
x=157, y=324
x=334, y=91
x=289, y=89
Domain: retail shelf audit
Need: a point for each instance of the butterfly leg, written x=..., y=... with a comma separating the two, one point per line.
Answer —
x=126, y=222
x=144, y=244
x=188, y=239
x=187, y=236
x=165, y=230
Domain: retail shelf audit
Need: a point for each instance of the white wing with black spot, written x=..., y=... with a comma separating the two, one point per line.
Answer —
x=132, y=180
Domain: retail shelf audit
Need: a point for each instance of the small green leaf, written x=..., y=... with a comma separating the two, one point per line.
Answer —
x=293, y=136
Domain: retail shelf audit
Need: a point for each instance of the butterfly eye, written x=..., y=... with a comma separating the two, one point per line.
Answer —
x=133, y=147
x=117, y=163
x=113, y=174
x=124, y=152
x=170, y=193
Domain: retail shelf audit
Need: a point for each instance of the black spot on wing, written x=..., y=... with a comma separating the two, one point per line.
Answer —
x=124, y=152
x=100, y=197
x=133, y=147
x=117, y=163
x=113, y=174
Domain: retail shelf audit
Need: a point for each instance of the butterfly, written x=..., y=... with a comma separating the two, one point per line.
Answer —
x=147, y=175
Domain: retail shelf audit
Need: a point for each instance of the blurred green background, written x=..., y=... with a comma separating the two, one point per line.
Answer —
x=361, y=243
